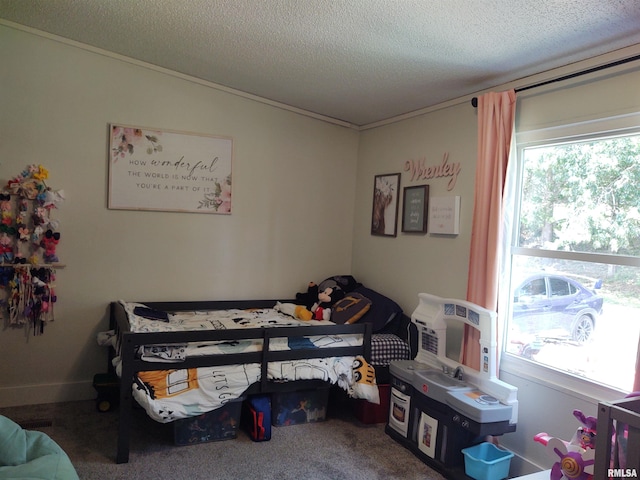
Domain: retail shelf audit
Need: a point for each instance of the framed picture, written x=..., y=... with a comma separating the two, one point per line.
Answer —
x=444, y=215
x=415, y=203
x=153, y=169
x=385, y=205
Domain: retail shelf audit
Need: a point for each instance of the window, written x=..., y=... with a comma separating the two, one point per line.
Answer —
x=574, y=264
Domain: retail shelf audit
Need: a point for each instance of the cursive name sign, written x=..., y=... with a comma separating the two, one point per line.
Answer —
x=421, y=171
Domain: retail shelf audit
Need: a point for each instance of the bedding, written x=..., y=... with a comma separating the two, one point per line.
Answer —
x=386, y=348
x=225, y=320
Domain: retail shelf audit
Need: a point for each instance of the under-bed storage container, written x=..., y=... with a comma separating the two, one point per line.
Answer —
x=219, y=424
x=303, y=406
x=370, y=413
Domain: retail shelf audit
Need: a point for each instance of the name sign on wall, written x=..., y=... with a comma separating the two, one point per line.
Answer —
x=421, y=171
x=169, y=171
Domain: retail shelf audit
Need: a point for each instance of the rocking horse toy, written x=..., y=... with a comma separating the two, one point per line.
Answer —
x=575, y=458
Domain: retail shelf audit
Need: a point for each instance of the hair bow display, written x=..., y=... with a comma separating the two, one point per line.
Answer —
x=28, y=242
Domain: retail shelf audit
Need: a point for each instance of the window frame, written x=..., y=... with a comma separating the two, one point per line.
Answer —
x=563, y=134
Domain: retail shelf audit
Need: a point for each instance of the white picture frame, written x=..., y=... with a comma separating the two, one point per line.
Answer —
x=164, y=170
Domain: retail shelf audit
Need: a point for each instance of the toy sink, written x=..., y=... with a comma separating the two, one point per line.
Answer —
x=442, y=380
x=462, y=396
x=436, y=384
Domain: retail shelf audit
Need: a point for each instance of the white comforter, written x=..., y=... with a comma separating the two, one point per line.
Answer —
x=168, y=395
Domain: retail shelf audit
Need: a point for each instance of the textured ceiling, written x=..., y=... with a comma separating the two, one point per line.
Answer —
x=358, y=61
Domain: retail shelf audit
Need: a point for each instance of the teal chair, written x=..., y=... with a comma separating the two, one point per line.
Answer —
x=28, y=454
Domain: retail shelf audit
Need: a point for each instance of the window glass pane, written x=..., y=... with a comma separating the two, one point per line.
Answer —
x=588, y=326
x=582, y=197
x=568, y=308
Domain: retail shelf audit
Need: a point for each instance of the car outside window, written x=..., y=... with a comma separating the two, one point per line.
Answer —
x=533, y=290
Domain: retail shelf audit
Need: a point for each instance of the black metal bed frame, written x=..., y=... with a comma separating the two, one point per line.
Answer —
x=128, y=343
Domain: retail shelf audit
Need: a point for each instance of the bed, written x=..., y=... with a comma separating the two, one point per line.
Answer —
x=154, y=359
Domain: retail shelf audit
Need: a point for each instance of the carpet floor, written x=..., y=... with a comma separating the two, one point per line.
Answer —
x=338, y=448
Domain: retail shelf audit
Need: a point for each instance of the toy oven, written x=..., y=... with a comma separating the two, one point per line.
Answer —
x=399, y=406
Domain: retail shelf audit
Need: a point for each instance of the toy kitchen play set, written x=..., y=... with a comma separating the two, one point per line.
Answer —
x=439, y=407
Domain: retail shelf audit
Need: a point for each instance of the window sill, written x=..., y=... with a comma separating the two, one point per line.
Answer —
x=558, y=380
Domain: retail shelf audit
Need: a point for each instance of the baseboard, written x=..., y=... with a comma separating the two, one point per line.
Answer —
x=521, y=466
x=49, y=393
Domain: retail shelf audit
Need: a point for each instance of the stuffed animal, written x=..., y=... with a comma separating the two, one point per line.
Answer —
x=309, y=297
x=317, y=302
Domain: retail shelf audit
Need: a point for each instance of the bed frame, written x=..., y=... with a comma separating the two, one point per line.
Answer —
x=129, y=342
x=612, y=415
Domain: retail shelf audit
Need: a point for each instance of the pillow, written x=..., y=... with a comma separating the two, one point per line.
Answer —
x=364, y=381
x=350, y=308
x=151, y=314
x=383, y=310
x=346, y=282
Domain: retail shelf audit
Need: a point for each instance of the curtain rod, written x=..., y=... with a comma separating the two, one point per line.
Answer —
x=474, y=100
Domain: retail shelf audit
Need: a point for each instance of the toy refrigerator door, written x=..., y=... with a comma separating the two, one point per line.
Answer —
x=427, y=433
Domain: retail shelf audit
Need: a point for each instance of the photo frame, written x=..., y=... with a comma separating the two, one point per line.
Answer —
x=170, y=171
x=415, y=205
x=384, y=215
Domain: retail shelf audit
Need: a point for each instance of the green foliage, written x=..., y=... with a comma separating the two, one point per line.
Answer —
x=583, y=197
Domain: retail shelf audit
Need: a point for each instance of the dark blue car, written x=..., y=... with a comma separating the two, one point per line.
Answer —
x=548, y=305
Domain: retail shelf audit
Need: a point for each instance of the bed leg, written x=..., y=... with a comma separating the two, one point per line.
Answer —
x=124, y=430
x=126, y=404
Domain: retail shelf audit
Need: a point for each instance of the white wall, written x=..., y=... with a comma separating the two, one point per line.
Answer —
x=293, y=202
x=413, y=262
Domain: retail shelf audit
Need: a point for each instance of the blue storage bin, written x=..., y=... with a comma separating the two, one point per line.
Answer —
x=485, y=461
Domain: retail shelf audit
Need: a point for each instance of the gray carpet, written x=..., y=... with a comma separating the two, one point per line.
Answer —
x=339, y=448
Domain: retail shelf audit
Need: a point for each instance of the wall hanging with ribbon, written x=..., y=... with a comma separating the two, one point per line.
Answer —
x=28, y=241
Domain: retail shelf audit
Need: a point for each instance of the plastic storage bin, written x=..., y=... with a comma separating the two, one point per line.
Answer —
x=292, y=408
x=219, y=424
x=370, y=413
x=485, y=461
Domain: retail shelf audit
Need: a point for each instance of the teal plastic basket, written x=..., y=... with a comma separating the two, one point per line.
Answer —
x=485, y=461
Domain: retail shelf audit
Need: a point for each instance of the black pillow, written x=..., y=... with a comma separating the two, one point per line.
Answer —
x=383, y=310
x=151, y=314
x=346, y=282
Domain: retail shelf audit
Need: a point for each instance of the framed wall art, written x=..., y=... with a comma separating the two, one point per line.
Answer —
x=169, y=171
x=415, y=202
x=444, y=215
x=384, y=217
